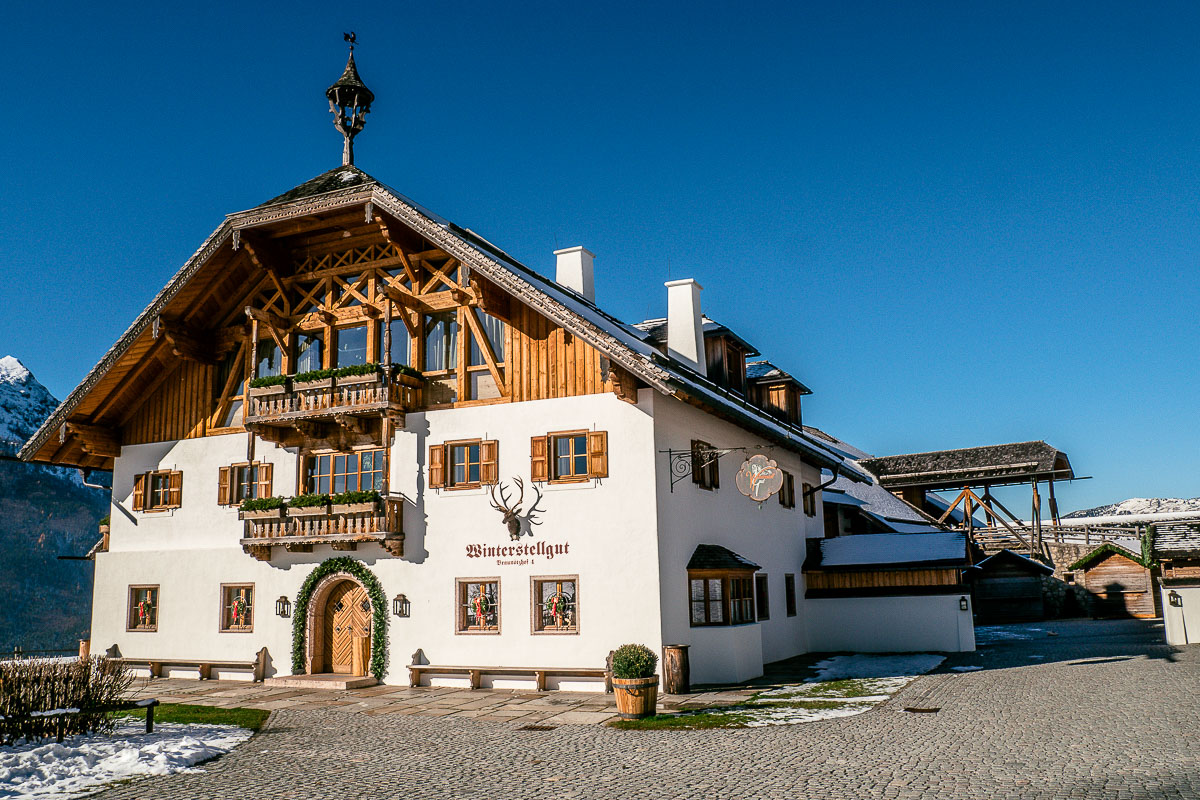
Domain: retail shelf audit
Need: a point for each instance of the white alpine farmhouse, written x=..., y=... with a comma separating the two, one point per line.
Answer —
x=352, y=439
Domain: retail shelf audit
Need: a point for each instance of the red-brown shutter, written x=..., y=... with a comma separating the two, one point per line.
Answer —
x=489, y=458
x=264, y=473
x=597, y=454
x=437, y=466
x=223, y=486
x=175, y=489
x=539, y=464
x=697, y=462
x=139, y=492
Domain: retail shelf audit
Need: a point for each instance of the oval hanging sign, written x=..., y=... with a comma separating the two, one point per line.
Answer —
x=759, y=477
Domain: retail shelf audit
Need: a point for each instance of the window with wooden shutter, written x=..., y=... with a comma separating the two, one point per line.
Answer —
x=810, y=500
x=489, y=462
x=174, y=489
x=223, y=486
x=437, y=466
x=539, y=466
x=598, y=454
x=787, y=492
x=139, y=491
x=705, y=471
x=264, y=474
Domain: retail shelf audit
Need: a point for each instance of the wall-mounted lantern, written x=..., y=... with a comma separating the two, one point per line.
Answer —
x=1174, y=598
x=962, y=603
x=283, y=606
x=400, y=606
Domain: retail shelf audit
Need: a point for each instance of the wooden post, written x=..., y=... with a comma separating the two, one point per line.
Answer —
x=85, y=649
x=1054, y=509
x=1035, y=540
x=386, y=355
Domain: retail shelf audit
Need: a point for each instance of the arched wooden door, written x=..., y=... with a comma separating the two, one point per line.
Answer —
x=347, y=614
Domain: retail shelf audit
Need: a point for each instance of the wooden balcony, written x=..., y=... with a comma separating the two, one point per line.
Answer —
x=332, y=407
x=342, y=527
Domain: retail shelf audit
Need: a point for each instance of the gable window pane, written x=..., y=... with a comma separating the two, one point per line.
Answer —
x=308, y=352
x=270, y=358
x=493, y=329
x=351, y=346
x=441, y=342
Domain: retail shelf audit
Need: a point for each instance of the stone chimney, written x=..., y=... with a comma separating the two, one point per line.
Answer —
x=574, y=271
x=685, y=324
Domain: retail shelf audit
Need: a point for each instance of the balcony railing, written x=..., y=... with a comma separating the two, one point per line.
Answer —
x=360, y=395
x=342, y=527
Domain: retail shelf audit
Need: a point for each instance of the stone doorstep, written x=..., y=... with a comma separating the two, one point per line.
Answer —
x=322, y=682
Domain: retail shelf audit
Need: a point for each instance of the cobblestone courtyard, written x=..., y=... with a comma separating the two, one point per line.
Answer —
x=1079, y=709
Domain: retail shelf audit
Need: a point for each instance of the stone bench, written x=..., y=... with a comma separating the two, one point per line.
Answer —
x=540, y=674
x=205, y=666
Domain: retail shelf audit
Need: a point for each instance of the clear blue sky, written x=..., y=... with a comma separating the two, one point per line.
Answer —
x=958, y=224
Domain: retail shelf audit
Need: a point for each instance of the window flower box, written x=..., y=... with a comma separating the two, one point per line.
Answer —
x=262, y=513
x=308, y=511
x=267, y=391
x=354, y=380
x=354, y=508
x=365, y=502
x=313, y=385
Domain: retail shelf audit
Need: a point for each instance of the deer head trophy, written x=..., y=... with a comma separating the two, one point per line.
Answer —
x=512, y=511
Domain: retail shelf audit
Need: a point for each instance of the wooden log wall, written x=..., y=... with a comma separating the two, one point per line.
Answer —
x=545, y=361
x=1120, y=587
x=177, y=409
x=879, y=579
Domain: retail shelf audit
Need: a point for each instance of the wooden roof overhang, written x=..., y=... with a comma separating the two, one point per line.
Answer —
x=991, y=465
x=84, y=431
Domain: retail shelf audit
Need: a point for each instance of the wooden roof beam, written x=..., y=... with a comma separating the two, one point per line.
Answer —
x=281, y=324
x=402, y=296
x=187, y=342
x=267, y=258
x=96, y=440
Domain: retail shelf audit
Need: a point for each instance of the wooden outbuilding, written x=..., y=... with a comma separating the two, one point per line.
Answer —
x=1119, y=583
x=1008, y=587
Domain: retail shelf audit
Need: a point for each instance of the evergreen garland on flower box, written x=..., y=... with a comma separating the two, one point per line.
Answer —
x=379, y=619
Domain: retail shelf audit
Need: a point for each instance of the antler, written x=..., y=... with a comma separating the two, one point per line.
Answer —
x=520, y=485
x=504, y=504
x=533, y=508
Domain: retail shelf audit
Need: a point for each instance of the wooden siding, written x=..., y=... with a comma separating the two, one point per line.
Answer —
x=1120, y=587
x=177, y=409
x=545, y=361
x=881, y=579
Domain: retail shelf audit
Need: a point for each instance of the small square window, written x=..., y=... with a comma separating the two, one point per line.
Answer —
x=143, y=608
x=570, y=456
x=478, y=606
x=237, y=608
x=555, y=605
x=464, y=464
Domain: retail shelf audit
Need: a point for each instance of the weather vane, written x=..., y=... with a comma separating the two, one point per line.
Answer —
x=352, y=38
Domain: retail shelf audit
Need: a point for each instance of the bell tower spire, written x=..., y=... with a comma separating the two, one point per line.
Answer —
x=349, y=102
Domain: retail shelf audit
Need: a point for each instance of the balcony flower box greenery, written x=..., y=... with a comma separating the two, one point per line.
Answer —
x=269, y=385
x=635, y=683
x=356, y=374
x=355, y=502
x=313, y=379
x=262, y=508
x=308, y=505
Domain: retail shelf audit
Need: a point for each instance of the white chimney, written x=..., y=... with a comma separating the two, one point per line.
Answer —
x=685, y=325
x=575, y=271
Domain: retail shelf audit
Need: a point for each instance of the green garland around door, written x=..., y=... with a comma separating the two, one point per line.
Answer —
x=378, y=608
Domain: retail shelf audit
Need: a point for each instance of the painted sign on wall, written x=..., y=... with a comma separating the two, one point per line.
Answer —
x=758, y=478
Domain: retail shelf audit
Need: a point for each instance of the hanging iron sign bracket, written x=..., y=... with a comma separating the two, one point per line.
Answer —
x=683, y=462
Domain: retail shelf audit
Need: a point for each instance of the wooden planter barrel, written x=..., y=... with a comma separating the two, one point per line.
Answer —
x=636, y=697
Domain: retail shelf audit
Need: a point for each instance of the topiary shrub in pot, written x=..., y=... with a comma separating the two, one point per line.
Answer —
x=634, y=680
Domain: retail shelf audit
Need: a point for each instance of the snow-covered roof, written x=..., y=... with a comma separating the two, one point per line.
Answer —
x=946, y=548
x=1177, y=539
x=656, y=331
x=765, y=372
x=1009, y=555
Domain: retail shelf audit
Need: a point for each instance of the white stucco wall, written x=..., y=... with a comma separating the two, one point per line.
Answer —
x=769, y=535
x=606, y=528
x=890, y=624
x=1181, y=623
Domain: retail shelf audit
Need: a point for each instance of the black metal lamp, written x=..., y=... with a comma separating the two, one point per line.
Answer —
x=1174, y=598
x=283, y=606
x=962, y=603
x=400, y=606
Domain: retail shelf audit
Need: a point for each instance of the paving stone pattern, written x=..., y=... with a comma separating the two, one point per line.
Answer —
x=1081, y=709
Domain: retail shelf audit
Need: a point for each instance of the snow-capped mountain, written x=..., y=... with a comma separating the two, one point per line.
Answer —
x=1140, y=508
x=45, y=512
x=24, y=404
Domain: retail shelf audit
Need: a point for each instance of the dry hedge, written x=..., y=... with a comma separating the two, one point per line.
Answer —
x=35, y=693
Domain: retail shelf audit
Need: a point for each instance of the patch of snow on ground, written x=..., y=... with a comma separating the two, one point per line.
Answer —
x=81, y=764
x=990, y=634
x=905, y=666
x=793, y=715
x=966, y=669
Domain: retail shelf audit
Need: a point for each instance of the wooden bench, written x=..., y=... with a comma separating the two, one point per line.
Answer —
x=538, y=673
x=149, y=704
x=205, y=666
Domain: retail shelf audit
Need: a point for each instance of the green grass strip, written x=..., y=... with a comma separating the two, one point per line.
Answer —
x=250, y=718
